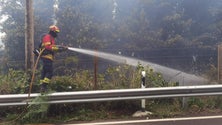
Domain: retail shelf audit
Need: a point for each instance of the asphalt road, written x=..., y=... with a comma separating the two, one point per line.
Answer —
x=205, y=120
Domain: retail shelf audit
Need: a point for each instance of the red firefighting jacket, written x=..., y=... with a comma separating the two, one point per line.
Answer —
x=48, y=43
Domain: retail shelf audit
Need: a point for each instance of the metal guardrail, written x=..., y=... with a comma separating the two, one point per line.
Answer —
x=112, y=95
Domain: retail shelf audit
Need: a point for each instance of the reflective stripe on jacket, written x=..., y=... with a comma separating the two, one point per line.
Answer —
x=48, y=42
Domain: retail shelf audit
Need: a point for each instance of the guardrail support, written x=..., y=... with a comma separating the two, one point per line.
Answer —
x=143, y=85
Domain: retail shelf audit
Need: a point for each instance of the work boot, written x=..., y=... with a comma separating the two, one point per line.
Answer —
x=44, y=88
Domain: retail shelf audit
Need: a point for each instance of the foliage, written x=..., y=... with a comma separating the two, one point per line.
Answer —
x=83, y=80
x=122, y=76
x=64, y=83
x=13, y=82
x=169, y=30
x=211, y=74
x=165, y=109
x=196, y=103
x=36, y=112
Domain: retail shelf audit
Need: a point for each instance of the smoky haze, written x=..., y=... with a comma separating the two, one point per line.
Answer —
x=169, y=74
x=181, y=34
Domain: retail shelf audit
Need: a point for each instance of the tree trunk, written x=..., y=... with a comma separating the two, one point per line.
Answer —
x=29, y=36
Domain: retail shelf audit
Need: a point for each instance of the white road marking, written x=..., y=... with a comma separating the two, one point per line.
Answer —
x=149, y=120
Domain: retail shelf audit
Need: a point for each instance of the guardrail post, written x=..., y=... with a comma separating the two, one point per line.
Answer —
x=219, y=63
x=143, y=101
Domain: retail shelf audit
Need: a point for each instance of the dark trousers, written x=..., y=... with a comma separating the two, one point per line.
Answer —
x=47, y=70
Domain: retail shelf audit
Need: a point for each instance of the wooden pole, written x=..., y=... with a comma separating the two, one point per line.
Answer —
x=29, y=36
x=95, y=70
x=219, y=63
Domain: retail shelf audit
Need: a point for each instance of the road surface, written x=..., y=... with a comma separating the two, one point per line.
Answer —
x=204, y=120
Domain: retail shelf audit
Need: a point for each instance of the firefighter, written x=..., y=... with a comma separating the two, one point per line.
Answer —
x=49, y=47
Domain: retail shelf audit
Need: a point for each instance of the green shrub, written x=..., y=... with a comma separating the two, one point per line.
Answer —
x=116, y=77
x=15, y=81
x=36, y=112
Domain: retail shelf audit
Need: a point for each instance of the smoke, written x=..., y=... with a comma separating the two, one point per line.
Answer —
x=55, y=10
x=114, y=12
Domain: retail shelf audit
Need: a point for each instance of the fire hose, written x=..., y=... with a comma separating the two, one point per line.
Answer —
x=39, y=53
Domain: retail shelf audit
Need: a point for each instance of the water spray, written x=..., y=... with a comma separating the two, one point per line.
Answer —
x=169, y=74
x=115, y=5
x=55, y=10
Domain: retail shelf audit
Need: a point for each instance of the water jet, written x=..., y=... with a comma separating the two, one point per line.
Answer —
x=169, y=74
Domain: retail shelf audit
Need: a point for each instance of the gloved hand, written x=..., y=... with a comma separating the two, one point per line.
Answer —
x=62, y=48
x=36, y=52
